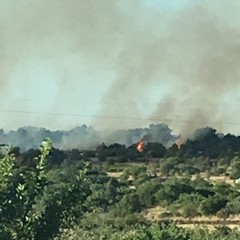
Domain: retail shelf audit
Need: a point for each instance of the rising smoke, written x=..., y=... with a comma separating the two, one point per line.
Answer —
x=84, y=137
x=183, y=57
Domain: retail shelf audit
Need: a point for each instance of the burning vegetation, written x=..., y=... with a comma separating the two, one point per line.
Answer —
x=140, y=146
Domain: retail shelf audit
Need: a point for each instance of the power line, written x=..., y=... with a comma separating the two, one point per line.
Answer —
x=163, y=120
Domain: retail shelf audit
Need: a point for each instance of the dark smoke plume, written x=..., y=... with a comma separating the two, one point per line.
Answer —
x=197, y=52
x=135, y=63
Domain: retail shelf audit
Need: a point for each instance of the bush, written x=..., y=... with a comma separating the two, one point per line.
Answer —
x=212, y=205
x=34, y=203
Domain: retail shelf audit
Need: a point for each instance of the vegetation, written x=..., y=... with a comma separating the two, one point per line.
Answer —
x=47, y=193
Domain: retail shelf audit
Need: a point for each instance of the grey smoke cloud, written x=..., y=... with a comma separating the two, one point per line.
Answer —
x=205, y=58
x=120, y=55
x=197, y=51
x=84, y=137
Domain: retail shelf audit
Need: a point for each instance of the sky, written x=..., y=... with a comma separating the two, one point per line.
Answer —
x=120, y=64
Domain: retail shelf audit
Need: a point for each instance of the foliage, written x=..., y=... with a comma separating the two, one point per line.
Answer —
x=33, y=204
x=50, y=197
x=154, y=232
x=235, y=174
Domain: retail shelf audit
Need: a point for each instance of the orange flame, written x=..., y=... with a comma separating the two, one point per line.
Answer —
x=140, y=146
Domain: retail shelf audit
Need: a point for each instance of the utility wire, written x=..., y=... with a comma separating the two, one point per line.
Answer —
x=119, y=117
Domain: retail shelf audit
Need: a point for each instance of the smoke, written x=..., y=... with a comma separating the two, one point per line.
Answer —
x=84, y=137
x=160, y=133
x=204, y=58
x=196, y=51
x=81, y=137
x=201, y=133
x=54, y=54
x=120, y=64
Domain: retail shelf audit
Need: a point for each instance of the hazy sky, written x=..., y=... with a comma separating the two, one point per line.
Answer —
x=120, y=63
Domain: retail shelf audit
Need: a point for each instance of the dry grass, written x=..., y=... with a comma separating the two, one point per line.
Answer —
x=211, y=222
x=217, y=179
x=114, y=174
x=210, y=227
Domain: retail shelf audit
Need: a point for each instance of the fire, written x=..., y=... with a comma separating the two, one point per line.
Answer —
x=140, y=146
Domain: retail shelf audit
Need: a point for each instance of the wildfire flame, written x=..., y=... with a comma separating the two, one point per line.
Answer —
x=140, y=146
